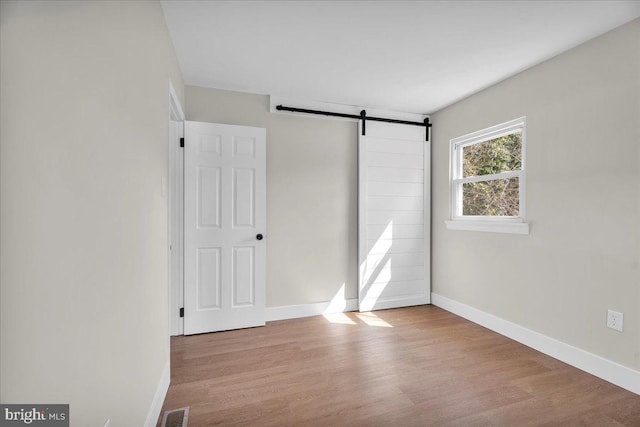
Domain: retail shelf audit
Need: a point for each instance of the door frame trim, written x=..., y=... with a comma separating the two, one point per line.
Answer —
x=175, y=228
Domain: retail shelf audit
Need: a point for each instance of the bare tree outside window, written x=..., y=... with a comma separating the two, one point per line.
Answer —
x=494, y=197
x=488, y=179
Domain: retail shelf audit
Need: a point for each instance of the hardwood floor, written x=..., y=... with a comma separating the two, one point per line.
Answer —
x=416, y=366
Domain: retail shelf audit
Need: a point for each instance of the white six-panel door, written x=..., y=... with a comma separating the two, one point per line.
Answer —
x=393, y=216
x=224, y=221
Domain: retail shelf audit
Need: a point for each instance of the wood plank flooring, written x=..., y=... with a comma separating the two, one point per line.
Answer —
x=417, y=366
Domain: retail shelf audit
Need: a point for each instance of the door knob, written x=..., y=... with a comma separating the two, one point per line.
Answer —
x=259, y=237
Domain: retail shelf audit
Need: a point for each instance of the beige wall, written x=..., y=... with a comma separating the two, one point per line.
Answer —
x=311, y=195
x=583, y=200
x=84, y=122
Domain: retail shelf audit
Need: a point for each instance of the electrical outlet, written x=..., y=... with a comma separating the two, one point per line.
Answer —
x=615, y=320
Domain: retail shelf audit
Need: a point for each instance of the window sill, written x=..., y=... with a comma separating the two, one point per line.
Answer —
x=489, y=226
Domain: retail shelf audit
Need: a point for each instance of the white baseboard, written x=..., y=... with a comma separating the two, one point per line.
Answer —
x=613, y=372
x=371, y=304
x=307, y=310
x=158, y=399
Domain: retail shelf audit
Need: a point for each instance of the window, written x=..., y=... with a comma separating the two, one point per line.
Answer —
x=488, y=179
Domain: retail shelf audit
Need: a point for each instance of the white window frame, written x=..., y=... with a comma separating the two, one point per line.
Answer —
x=497, y=224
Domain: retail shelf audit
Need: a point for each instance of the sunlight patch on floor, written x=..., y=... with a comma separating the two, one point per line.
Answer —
x=340, y=318
x=372, y=320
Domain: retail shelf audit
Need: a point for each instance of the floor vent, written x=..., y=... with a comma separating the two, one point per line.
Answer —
x=176, y=418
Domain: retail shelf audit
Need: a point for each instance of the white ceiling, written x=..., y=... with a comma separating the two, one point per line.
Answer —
x=416, y=56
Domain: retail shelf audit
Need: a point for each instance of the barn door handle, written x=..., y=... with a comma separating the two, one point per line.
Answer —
x=259, y=237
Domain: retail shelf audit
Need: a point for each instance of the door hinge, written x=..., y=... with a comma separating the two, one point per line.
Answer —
x=182, y=312
x=181, y=142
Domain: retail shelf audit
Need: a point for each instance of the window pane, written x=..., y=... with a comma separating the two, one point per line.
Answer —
x=493, y=156
x=499, y=197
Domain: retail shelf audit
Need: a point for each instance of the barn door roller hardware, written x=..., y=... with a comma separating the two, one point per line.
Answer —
x=362, y=116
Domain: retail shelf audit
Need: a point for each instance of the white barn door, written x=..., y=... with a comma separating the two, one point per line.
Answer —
x=393, y=216
x=224, y=221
